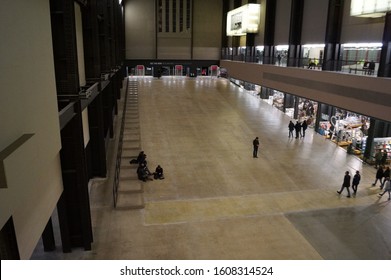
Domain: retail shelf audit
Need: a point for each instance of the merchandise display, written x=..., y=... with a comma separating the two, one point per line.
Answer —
x=307, y=111
x=383, y=145
x=278, y=100
x=347, y=130
x=290, y=112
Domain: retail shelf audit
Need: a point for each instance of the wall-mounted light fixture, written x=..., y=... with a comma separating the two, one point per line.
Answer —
x=369, y=8
x=243, y=20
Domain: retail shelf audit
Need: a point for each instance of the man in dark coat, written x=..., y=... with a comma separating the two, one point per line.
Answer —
x=291, y=128
x=345, y=184
x=298, y=129
x=304, y=127
x=356, y=181
x=379, y=176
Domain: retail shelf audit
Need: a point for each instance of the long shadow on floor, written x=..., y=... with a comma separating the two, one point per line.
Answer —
x=359, y=233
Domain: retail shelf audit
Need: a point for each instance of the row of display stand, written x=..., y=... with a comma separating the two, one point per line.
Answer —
x=177, y=70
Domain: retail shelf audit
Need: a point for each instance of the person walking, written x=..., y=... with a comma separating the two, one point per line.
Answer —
x=383, y=160
x=298, y=129
x=379, y=175
x=387, y=188
x=255, y=147
x=378, y=157
x=291, y=128
x=356, y=181
x=304, y=127
x=345, y=184
x=386, y=174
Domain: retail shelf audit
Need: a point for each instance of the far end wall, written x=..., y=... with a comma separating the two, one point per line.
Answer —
x=201, y=42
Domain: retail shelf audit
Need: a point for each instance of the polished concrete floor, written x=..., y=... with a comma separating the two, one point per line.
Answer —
x=217, y=201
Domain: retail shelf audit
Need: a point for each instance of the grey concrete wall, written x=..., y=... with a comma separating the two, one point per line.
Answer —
x=361, y=30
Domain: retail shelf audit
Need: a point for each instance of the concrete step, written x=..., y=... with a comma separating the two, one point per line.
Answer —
x=131, y=186
x=132, y=124
x=132, y=121
x=131, y=145
x=132, y=114
x=132, y=129
x=130, y=153
x=128, y=174
x=131, y=137
x=129, y=201
x=125, y=163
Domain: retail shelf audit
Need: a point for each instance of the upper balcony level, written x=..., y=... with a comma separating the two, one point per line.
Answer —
x=359, y=58
x=365, y=94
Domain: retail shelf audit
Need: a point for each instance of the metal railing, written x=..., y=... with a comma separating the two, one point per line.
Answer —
x=357, y=67
x=119, y=150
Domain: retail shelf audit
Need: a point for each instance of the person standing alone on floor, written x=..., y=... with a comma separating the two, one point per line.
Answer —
x=291, y=128
x=356, y=181
x=345, y=184
x=304, y=127
x=255, y=147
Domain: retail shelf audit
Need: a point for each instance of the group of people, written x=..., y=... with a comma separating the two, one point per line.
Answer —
x=380, y=158
x=143, y=172
x=312, y=63
x=369, y=67
x=299, y=128
x=346, y=183
x=383, y=176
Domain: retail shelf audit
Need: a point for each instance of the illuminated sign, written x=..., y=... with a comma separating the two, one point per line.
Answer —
x=243, y=20
x=369, y=8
